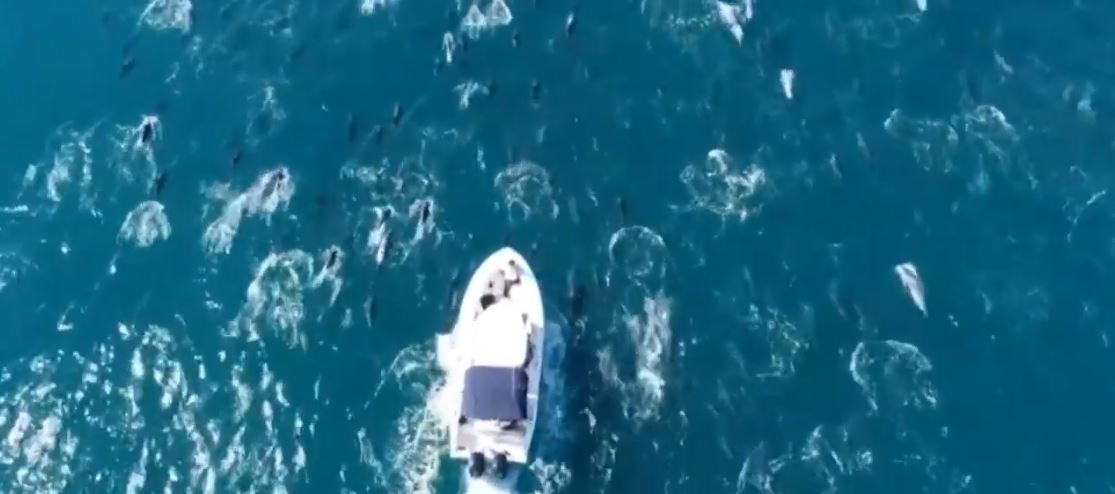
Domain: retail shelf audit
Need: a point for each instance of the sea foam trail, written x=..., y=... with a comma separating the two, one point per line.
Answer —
x=271, y=192
x=145, y=224
x=526, y=191
x=167, y=14
x=911, y=281
x=720, y=187
x=477, y=21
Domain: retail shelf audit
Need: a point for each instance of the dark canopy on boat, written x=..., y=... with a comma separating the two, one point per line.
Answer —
x=495, y=393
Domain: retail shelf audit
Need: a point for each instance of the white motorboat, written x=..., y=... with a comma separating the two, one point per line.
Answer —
x=493, y=359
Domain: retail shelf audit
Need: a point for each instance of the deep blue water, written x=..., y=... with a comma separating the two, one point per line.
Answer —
x=721, y=256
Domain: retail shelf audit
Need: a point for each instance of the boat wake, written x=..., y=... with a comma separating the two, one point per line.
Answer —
x=488, y=485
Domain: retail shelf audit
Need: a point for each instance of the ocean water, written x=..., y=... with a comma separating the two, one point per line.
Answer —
x=786, y=246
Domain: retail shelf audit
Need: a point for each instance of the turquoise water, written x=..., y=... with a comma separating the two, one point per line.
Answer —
x=787, y=247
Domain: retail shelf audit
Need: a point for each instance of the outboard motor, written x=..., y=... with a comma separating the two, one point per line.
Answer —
x=501, y=466
x=476, y=464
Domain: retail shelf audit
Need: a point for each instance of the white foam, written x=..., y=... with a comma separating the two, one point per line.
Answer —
x=331, y=274
x=786, y=76
x=448, y=46
x=720, y=188
x=498, y=14
x=271, y=192
x=74, y=152
x=416, y=448
x=369, y=7
x=44, y=440
x=393, y=187
x=526, y=190
x=729, y=15
x=29, y=175
x=64, y=322
x=145, y=224
x=138, y=477
x=474, y=21
x=753, y=472
x=892, y=373
x=274, y=297
x=923, y=5
x=650, y=336
x=908, y=275
x=423, y=212
x=785, y=341
x=167, y=14
x=18, y=430
x=987, y=121
x=380, y=237
x=931, y=141
x=638, y=252
x=554, y=477
x=134, y=145
x=59, y=175
x=466, y=90
x=12, y=266
x=477, y=21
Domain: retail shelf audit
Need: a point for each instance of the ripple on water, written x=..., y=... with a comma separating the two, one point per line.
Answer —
x=417, y=446
x=720, y=187
x=526, y=191
x=271, y=192
x=780, y=341
x=932, y=142
x=56, y=410
x=638, y=253
x=274, y=298
x=145, y=224
x=893, y=374
x=167, y=15
x=369, y=7
x=392, y=189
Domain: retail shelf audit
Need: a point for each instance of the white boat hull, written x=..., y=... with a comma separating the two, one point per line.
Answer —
x=475, y=341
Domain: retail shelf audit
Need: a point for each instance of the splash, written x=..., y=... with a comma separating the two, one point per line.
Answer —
x=448, y=46
x=894, y=374
x=136, y=143
x=167, y=15
x=730, y=15
x=988, y=127
x=418, y=445
x=638, y=252
x=477, y=21
x=526, y=191
x=12, y=268
x=271, y=192
x=786, y=77
x=911, y=281
x=145, y=224
x=274, y=297
x=369, y=7
x=650, y=335
x=466, y=90
x=783, y=340
x=332, y=260
x=72, y=160
x=264, y=115
x=395, y=187
x=932, y=142
x=718, y=187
